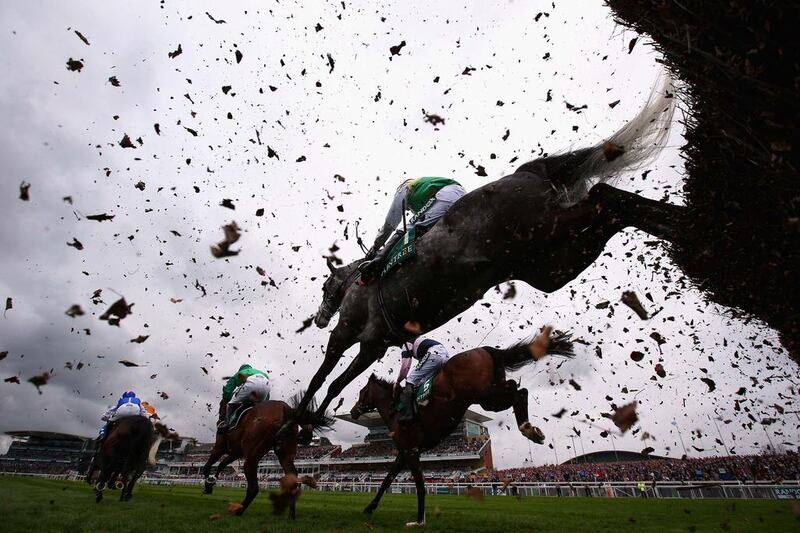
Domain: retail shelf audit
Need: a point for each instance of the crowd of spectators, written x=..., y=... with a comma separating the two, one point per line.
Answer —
x=305, y=453
x=731, y=468
x=386, y=448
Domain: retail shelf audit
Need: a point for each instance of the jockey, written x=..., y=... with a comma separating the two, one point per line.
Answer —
x=150, y=411
x=428, y=198
x=431, y=356
x=127, y=405
x=247, y=386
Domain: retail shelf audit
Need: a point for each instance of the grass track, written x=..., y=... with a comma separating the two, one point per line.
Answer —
x=29, y=505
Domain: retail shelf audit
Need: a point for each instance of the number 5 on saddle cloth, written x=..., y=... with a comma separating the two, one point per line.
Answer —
x=422, y=395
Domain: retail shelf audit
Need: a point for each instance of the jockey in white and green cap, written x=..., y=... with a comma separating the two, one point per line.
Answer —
x=247, y=386
x=428, y=197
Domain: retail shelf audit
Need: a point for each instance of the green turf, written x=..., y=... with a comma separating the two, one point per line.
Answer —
x=37, y=505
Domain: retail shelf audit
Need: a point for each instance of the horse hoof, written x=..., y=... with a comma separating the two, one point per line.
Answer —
x=208, y=489
x=415, y=524
x=532, y=433
x=368, y=509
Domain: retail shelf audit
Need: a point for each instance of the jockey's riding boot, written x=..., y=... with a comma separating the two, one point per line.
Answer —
x=230, y=415
x=407, y=397
x=370, y=269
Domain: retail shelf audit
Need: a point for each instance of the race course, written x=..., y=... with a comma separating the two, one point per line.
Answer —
x=29, y=504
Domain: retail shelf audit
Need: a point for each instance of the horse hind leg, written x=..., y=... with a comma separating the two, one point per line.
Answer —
x=530, y=431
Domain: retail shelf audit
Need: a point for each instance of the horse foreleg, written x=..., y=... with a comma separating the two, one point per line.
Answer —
x=134, y=477
x=102, y=479
x=209, y=480
x=340, y=340
x=368, y=354
x=419, y=481
x=251, y=475
x=224, y=464
x=395, y=469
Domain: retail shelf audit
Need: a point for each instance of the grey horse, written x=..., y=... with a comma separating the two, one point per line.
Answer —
x=544, y=224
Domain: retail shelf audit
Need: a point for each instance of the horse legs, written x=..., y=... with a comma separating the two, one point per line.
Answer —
x=102, y=479
x=530, y=431
x=419, y=481
x=368, y=354
x=286, y=458
x=127, y=491
x=395, y=469
x=576, y=236
x=501, y=397
x=209, y=481
x=224, y=464
x=660, y=219
x=339, y=341
x=251, y=475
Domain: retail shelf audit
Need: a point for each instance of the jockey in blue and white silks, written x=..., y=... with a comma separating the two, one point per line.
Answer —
x=431, y=356
x=127, y=405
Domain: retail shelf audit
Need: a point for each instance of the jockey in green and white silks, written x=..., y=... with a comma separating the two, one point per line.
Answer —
x=431, y=356
x=246, y=387
x=428, y=197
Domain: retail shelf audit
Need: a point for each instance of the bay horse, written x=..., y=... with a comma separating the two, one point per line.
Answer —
x=130, y=446
x=543, y=225
x=254, y=436
x=475, y=376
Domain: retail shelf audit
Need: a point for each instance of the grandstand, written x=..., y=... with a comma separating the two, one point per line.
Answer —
x=466, y=450
x=45, y=452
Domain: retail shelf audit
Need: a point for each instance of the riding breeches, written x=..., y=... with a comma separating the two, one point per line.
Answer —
x=428, y=366
x=126, y=410
x=255, y=384
x=445, y=198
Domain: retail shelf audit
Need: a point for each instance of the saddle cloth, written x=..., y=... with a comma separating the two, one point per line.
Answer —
x=402, y=251
x=424, y=391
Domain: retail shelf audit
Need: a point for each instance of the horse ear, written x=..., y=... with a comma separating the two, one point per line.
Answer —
x=330, y=264
x=372, y=377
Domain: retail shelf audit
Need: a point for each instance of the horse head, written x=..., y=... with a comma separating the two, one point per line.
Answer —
x=370, y=395
x=333, y=291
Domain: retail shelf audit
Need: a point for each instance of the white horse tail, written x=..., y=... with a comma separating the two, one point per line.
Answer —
x=633, y=145
x=151, y=457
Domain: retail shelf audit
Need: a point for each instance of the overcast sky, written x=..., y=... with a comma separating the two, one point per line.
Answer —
x=486, y=67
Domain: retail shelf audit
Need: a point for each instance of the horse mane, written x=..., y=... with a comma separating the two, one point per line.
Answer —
x=383, y=382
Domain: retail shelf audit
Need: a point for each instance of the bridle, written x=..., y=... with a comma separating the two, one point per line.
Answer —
x=339, y=293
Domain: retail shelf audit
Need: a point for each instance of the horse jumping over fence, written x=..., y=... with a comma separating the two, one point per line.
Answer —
x=544, y=224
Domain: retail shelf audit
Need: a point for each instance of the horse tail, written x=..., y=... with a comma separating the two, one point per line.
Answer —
x=629, y=148
x=309, y=417
x=524, y=352
x=151, y=456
